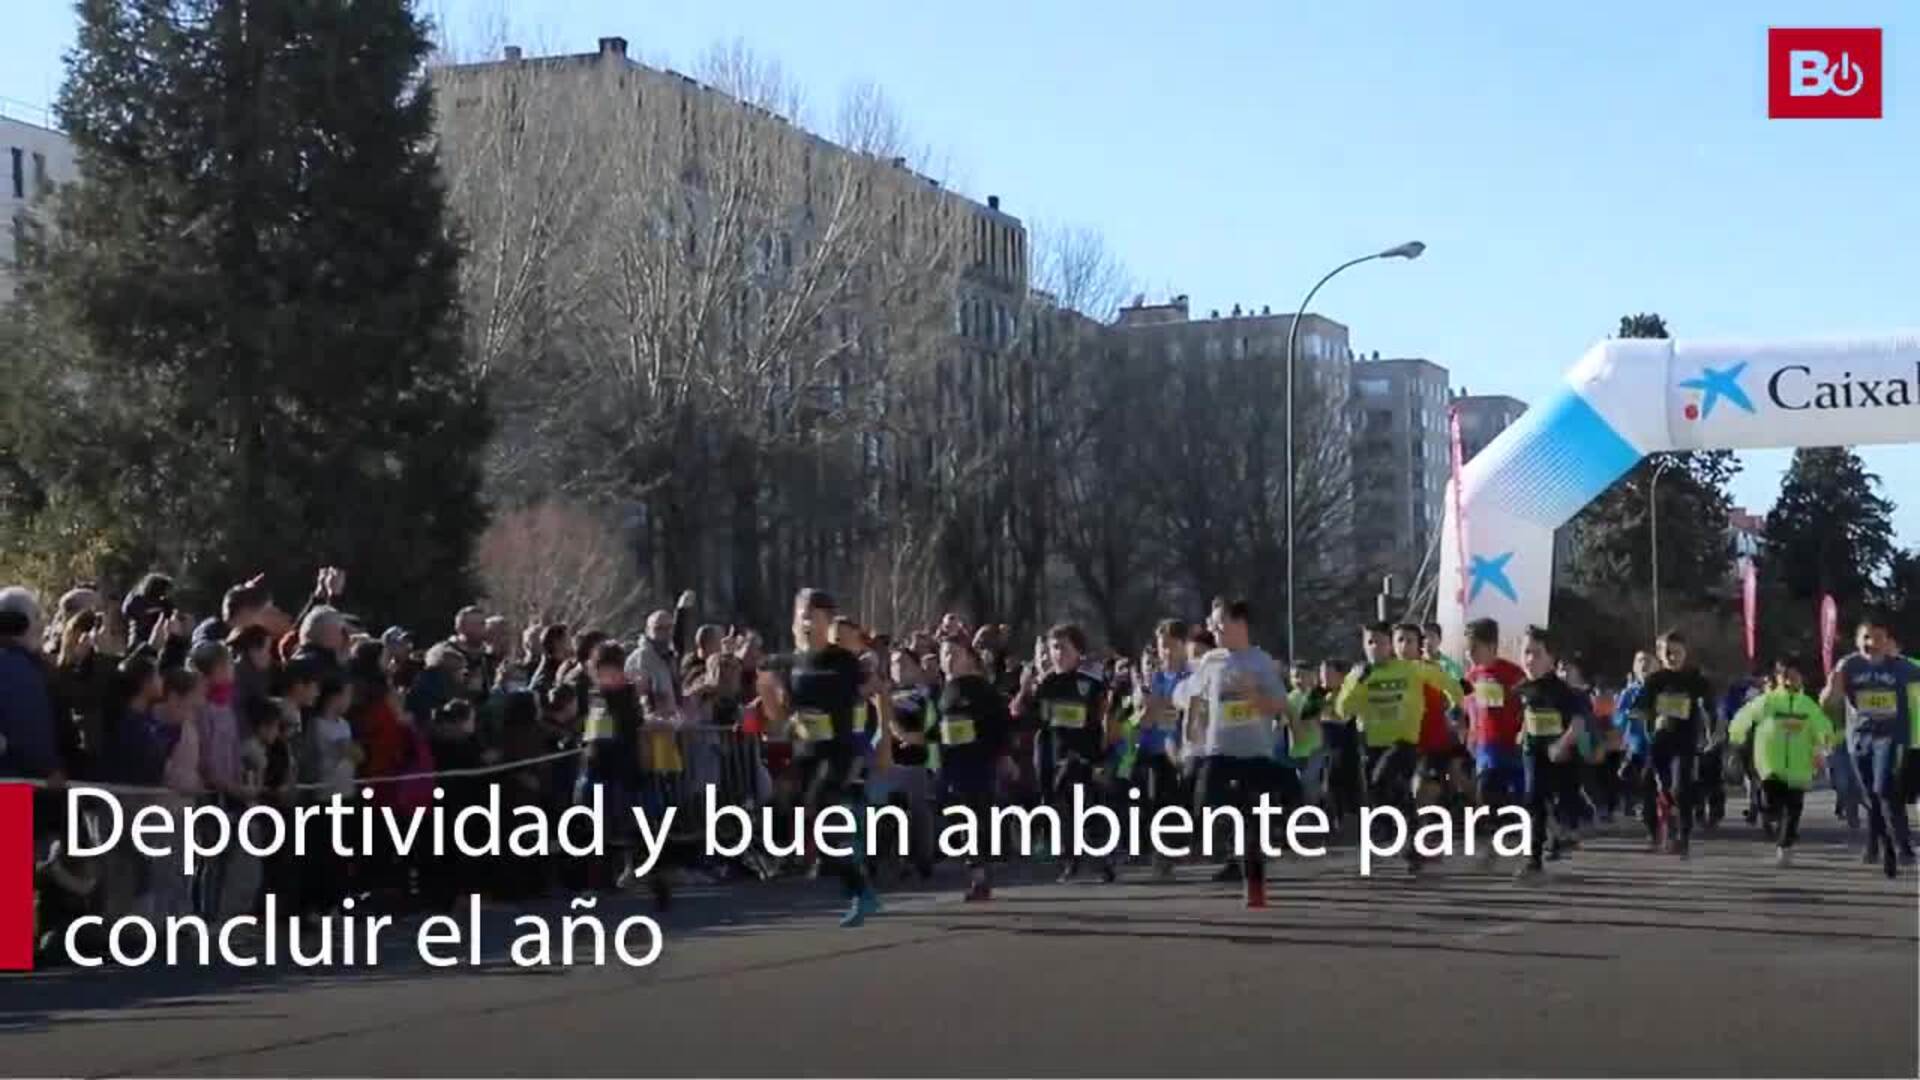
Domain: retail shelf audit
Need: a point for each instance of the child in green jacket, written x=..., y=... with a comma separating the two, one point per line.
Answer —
x=1789, y=732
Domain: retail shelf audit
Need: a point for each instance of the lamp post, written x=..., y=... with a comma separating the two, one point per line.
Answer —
x=1653, y=517
x=1409, y=250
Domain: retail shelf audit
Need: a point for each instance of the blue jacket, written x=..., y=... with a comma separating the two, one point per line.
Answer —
x=26, y=716
x=1633, y=728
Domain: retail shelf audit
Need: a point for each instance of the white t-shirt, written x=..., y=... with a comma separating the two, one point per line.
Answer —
x=1225, y=681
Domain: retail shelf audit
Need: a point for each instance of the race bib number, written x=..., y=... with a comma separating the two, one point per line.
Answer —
x=1878, y=704
x=1490, y=693
x=1676, y=706
x=860, y=719
x=1792, y=722
x=957, y=731
x=1545, y=722
x=814, y=726
x=1066, y=714
x=1236, y=713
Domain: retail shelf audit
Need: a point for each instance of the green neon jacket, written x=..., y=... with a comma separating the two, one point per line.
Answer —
x=1787, y=730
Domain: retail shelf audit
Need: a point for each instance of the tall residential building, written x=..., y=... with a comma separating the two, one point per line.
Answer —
x=1322, y=377
x=1482, y=418
x=37, y=158
x=1401, y=463
x=535, y=132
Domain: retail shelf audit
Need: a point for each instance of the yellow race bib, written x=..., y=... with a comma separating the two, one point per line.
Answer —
x=1234, y=713
x=1878, y=704
x=1491, y=693
x=957, y=730
x=1675, y=706
x=814, y=726
x=1066, y=714
x=1545, y=722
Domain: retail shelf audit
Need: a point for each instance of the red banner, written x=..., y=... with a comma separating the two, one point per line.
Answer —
x=16, y=877
x=1750, y=605
x=1459, y=510
x=1829, y=633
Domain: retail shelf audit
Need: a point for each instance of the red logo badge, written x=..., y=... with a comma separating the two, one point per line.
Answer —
x=1823, y=74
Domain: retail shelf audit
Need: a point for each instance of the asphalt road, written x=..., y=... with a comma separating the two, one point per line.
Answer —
x=1618, y=963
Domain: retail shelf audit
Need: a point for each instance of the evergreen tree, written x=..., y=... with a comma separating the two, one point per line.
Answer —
x=1614, y=541
x=252, y=293
x=1901, y=598
x=1830, y=532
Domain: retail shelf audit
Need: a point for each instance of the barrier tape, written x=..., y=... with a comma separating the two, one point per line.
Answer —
x=358, y=782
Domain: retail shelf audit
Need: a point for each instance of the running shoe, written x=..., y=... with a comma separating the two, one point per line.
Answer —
x=863, y=905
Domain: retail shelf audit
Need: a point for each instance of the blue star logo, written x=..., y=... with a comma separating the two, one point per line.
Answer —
x=1491, y=572
x=1717, y=383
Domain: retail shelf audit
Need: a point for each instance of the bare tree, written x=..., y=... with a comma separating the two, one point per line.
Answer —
x=709, y=310
x=558, y=562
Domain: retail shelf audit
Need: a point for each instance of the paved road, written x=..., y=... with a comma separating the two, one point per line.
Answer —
x=1620, y=963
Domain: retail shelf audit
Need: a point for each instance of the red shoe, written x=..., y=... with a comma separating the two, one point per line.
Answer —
x=1256, y=892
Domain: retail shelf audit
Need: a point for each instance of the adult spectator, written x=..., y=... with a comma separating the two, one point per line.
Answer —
x=246, y=604
x=551, y=652
x=470, y=641
x=28, y=747
x=707, y=643
x=323, y=640
x=253, y=667
x=651, y=668
x=150, y=602
x=84, y=688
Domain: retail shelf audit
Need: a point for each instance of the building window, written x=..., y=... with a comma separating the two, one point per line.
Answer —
x=39, y=173
x=1374, y=387
x=19, y=173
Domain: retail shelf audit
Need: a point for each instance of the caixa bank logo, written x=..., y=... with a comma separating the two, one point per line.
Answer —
x=1823, y=74
x=1795, y=388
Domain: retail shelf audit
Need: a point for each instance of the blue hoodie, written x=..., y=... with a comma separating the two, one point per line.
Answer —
x=1633, y=727
x=26, y=716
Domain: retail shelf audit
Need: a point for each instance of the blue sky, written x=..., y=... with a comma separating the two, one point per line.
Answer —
x=1564, y=163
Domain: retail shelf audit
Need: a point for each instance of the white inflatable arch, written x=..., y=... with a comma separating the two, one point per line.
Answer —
x=1628, y=398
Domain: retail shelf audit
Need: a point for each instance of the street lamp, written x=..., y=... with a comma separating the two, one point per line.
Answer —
x=1653, y=516
x=1409, y=250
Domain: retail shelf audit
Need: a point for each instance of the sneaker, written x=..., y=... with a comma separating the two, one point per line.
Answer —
x=863, y=905
x=1684, y=849
x=979, y=892
x=1256, y=892
x=1529, y=871
x=1107, y=872
x=1229, y=872
x=1067, y=872
x=1782, y=857
x=1163, y=870
x=1871, y=855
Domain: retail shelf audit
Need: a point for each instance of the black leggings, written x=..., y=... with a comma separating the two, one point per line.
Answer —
x=1783, y=802
x=1344, y=762
x=829, y=782
x=1670, y=768
x=1552, y=787
x=1390, y=781
x=1239, y=783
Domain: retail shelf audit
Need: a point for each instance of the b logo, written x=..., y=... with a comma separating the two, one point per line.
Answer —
x=1823, y=74
x=1812, y=75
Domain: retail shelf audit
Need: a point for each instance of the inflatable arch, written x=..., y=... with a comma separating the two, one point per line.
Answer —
x=1628, y=398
